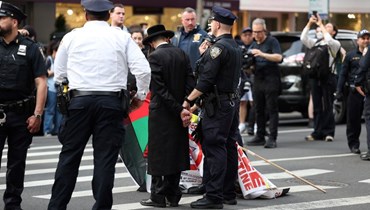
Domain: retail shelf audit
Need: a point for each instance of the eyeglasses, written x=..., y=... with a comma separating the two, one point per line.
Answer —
x=210, y=20
x=258, y=32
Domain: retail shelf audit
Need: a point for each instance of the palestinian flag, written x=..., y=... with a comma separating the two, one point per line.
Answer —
x=135, y=143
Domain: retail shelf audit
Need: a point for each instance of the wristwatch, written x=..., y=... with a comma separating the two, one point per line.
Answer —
x=38, y=116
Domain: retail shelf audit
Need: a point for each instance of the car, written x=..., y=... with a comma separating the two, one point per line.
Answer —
x=295, y=84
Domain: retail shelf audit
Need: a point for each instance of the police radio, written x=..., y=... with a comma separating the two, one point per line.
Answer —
x=63, y=96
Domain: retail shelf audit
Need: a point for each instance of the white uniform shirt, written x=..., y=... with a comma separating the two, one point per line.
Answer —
x=97, y=57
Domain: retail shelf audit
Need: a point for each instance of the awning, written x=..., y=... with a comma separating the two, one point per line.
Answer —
x=336, y=6
x=229, y=4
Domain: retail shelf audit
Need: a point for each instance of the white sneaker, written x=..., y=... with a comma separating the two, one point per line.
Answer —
x=241, y=127
x=329, y=138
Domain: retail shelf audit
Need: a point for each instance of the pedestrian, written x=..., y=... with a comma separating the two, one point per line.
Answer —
x=189, y=36
x=52, y=116
x=117, y=17
x=168, y=144
x=362, y=84
x=21, y=73
x=96, y=61
x=267, y=85
x=322, y=89
x=355, y=101
x=219, y=73
x=245, y=87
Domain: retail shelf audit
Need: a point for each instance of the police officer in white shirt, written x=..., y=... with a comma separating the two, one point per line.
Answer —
x=96, y=59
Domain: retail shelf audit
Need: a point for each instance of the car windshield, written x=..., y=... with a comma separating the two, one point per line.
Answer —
x=290, y=45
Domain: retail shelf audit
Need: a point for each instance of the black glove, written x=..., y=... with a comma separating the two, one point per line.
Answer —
x=338, y=96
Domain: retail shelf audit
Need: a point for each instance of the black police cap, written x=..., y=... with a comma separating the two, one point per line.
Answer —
x=97, y=5
x=223, y=15
x=9, y=10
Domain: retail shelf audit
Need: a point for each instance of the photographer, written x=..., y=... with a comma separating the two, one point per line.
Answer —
x=322, y=89
x=267, y=53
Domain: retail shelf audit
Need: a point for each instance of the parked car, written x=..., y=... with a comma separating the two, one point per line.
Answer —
x=295, y=85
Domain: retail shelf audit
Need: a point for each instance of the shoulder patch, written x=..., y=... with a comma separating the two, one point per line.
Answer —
x=215, y=52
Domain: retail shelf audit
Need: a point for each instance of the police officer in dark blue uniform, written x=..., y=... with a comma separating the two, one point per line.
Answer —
x=362, y=84
x=219, y=74
x=355, y=101
x=22, y=69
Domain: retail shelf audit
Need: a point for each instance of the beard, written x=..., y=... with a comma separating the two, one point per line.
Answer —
x=5, y=30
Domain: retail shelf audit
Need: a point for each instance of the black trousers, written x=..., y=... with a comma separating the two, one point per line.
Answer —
x=101, y=117
x=265, y=96
x=18, y=138
x=323, y=98
x=220, y=134
x=355, y=107
x=166, y=187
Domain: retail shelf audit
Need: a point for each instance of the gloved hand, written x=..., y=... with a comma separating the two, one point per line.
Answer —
x=247, y=86
x=338, y=96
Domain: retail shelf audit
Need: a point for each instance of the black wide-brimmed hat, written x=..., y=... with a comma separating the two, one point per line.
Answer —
x=157, y=30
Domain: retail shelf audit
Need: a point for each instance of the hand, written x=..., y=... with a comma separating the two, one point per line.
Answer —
x=23, y=32
x=194, y=108
x=339, y=96
x=135, y=104
x=186, y=105
x=360, y=91
x=33, y=124
x=203, y=47
x=185, y=117
x=257, y=53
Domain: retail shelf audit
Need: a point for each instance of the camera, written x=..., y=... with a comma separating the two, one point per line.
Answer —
x=248, y=59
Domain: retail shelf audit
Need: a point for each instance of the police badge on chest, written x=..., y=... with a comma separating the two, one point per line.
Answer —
x=22, y=50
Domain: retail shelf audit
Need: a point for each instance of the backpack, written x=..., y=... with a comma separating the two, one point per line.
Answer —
x=316, y=62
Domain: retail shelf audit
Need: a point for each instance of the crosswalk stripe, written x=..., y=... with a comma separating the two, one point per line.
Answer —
x=365, y=181
x=49, y=160
x=188, y=199
x=52, y=170
x=51, y=181
x=330, y=203
x=85, y=193
x=137, y=205
x=304, y=172
x=262, y=163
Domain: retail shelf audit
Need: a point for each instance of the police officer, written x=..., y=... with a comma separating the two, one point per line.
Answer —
x=362, y=84
x=218, y=80
x=96, y=61
x=190, y=36
x=355, y=101
x=22, y=69
x=266, y=90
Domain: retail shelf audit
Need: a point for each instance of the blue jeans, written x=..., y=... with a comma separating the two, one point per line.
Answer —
x=52, y=117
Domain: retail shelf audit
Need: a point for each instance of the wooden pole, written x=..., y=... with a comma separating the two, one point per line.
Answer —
x=281, y=168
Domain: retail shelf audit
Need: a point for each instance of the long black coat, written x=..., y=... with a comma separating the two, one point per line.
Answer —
x=172, y=79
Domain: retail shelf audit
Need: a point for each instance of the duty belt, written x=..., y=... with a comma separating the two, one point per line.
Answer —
x=78, y=93
x=228, y=96
x=13, y=106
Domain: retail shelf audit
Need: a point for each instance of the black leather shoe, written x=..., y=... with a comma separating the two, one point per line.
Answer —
x=230, y=202
x=256, y=141
x=356, y=151
x=271, y=143
x=149, y=202
x=172, y=204
x=204, y=203
x=198, y=190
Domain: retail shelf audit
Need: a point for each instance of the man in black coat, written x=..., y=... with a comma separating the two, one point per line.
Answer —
x=168, y=147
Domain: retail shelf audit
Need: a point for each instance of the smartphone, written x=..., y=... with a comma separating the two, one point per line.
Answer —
x=314, y=13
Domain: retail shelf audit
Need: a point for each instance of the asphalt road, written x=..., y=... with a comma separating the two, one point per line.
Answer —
x=329, y=165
